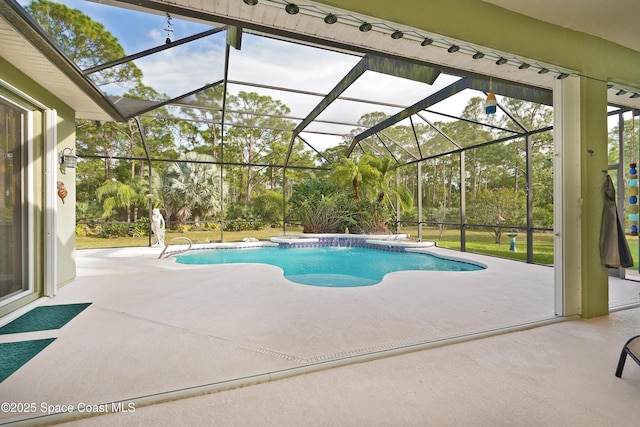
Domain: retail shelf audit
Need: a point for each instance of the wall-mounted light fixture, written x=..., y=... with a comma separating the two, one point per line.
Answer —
x=397, y=34
x=501, y=61
x=250, y=2
x=524, y=66
x=426, y=42
x=292, y=9
x=453, y=49
x=478, y=55
x=67, y=159
x=365, y=26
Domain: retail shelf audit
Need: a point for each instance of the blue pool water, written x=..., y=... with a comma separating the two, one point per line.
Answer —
x=329, y=266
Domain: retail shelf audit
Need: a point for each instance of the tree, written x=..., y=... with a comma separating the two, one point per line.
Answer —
x=267, y=206
x=496, y=208
x=86, y=42
x=354, y=174
x=117, y=195
x=386, y=186
x=193, y=187
x=259, y=132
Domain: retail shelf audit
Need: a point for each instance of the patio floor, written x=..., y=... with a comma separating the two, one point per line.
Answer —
x=403, y=352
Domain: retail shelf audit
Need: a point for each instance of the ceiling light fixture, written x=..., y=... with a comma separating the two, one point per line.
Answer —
x=621, y=92
x=562, y=76
x=478, y=55
x=524, y=66
x=331, y=19
x=454, y=48
x=365, y=26
x=635, y=95
x=291, y=8
x=501, y=61
x=426, y=42
x=543, y=71
x=397, y=34
x=250, y=2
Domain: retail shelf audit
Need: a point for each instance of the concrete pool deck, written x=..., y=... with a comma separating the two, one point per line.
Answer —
x=159, y=331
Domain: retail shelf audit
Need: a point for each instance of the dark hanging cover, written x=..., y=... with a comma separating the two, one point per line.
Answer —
x=614, y=250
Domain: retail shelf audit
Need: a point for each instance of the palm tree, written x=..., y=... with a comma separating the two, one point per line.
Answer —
x=117, y=195
x=193, y=187
x=385, y=183
x=350, y=173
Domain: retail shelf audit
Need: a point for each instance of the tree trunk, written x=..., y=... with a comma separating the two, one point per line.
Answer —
x=356, y=187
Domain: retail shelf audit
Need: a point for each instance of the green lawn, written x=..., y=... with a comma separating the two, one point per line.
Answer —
x=83, y=242
x=477, y=241
x=482, y=242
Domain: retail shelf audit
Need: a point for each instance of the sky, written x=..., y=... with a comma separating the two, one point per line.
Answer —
x=261, y=60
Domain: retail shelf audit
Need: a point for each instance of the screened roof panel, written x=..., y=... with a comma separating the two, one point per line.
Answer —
x=433, y=143
x=346, y=111
x=170, y=71
x=326, y=96
x=382, y=88
x=402, y=149
x=286, y=64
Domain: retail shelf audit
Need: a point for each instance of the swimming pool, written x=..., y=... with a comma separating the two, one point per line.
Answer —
x=330, y=266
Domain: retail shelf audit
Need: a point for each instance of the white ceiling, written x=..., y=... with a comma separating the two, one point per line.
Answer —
x=615, y=20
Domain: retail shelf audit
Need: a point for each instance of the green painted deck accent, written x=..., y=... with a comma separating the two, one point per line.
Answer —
x=15, y=354
x=44, y=318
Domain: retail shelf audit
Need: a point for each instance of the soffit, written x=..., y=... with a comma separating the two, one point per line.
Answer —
x=36, y=57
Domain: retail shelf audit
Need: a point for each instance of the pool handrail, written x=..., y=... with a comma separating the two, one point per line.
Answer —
x=177, y=252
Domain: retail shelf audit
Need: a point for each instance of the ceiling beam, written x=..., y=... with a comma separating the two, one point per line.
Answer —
x=388, y=66
x=427, y=102
x=501, y=87
x=511, y=90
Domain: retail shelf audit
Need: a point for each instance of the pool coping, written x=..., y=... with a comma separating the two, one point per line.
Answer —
x=396, y=242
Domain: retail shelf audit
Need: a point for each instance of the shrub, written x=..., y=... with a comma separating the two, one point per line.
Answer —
x=140, y=227
x=111, y=230
x=241, y=225
x=267, y=206
x=183, y=228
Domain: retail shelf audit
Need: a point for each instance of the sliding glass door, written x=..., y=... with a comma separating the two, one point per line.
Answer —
x=12, y=202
